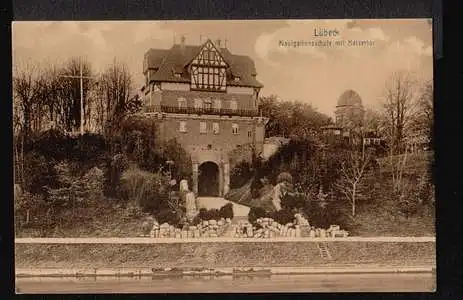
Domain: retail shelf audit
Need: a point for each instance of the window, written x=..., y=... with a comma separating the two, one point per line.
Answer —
x=249, y=134
x=181, y=102
x=217, y=104
x=198, y=103
x=235, y=128
x=234, y=104
x=182, y=126
x=207, y=104
x=202, y=127
x=215, y=128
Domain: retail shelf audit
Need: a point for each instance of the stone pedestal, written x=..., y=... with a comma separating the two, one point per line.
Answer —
x=195, y=178
x=226, y=178
x=190, y=205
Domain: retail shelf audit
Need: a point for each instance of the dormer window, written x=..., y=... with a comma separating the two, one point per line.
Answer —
x=177, y=75
x=237, y=79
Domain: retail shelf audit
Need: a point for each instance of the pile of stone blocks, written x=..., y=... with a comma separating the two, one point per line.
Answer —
x=268, y=228
x=210, y=228
x=332, y=231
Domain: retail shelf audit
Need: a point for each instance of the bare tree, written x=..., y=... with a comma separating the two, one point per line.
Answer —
x=68, y=92
x=352, y=175
x=116, y=89
x=27, y=92
x=399, y=111
x=372, y=122
x=117, y=99
x=424, y=118
x=398, y=108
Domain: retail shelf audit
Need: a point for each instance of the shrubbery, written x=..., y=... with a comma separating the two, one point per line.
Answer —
x=240, y=174
x=225, y=212
x=39, y=174
x=148, y=190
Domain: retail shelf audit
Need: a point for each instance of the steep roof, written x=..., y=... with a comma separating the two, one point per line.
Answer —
x=167, y=62
x=349, y=98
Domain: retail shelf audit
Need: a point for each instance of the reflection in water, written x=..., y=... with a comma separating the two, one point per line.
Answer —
x=420, y=282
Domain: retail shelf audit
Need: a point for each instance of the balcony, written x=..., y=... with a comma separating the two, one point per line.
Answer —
x=202, y=111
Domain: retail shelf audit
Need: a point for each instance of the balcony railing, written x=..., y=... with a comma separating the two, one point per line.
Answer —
x=202, y=111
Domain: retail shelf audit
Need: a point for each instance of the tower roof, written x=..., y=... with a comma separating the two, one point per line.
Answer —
x=349, y=98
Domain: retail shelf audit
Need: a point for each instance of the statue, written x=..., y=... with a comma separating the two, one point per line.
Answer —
x=184, y=185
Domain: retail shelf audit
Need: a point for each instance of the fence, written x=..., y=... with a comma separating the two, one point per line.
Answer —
x=203, y=111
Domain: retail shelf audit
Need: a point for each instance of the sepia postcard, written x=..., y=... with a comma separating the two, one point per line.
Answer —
x=218, y=156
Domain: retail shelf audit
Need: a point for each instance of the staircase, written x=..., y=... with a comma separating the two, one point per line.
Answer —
x=324, y=252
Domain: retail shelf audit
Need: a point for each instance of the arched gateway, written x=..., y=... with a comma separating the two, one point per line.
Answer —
x=209, y=180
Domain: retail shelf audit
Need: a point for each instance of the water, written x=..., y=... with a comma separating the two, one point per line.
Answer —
x=417, y=282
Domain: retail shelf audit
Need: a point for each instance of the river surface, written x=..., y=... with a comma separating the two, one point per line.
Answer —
x=416, y=282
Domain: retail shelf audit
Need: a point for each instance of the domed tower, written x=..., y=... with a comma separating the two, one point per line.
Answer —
x=349, y=110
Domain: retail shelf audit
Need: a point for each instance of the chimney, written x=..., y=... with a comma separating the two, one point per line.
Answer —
x=217, y=42
x=226, y=43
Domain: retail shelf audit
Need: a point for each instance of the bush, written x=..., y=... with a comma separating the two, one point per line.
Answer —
x=54, y=144
x=146, y=189
x=116, y=166
x=240, y=174
x=182, y=167
x=285, y=177
x=283, y=216
x=168, y=216
x=256, y=213
x=39, y=174
x=293, y=201
x=256, y=186
x=226, y=211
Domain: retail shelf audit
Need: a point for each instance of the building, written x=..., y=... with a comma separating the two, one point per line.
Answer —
x=349, y=110
x=349, y=125
x=205, y=97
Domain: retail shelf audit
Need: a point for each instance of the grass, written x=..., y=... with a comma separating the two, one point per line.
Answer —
x=291, y=254
x=103, y=219
x=377, y=220
x=415, y=163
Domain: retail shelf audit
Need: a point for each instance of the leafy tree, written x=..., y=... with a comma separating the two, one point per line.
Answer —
x=290, y=119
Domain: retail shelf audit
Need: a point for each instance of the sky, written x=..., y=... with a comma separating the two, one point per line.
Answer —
x=310, y=74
